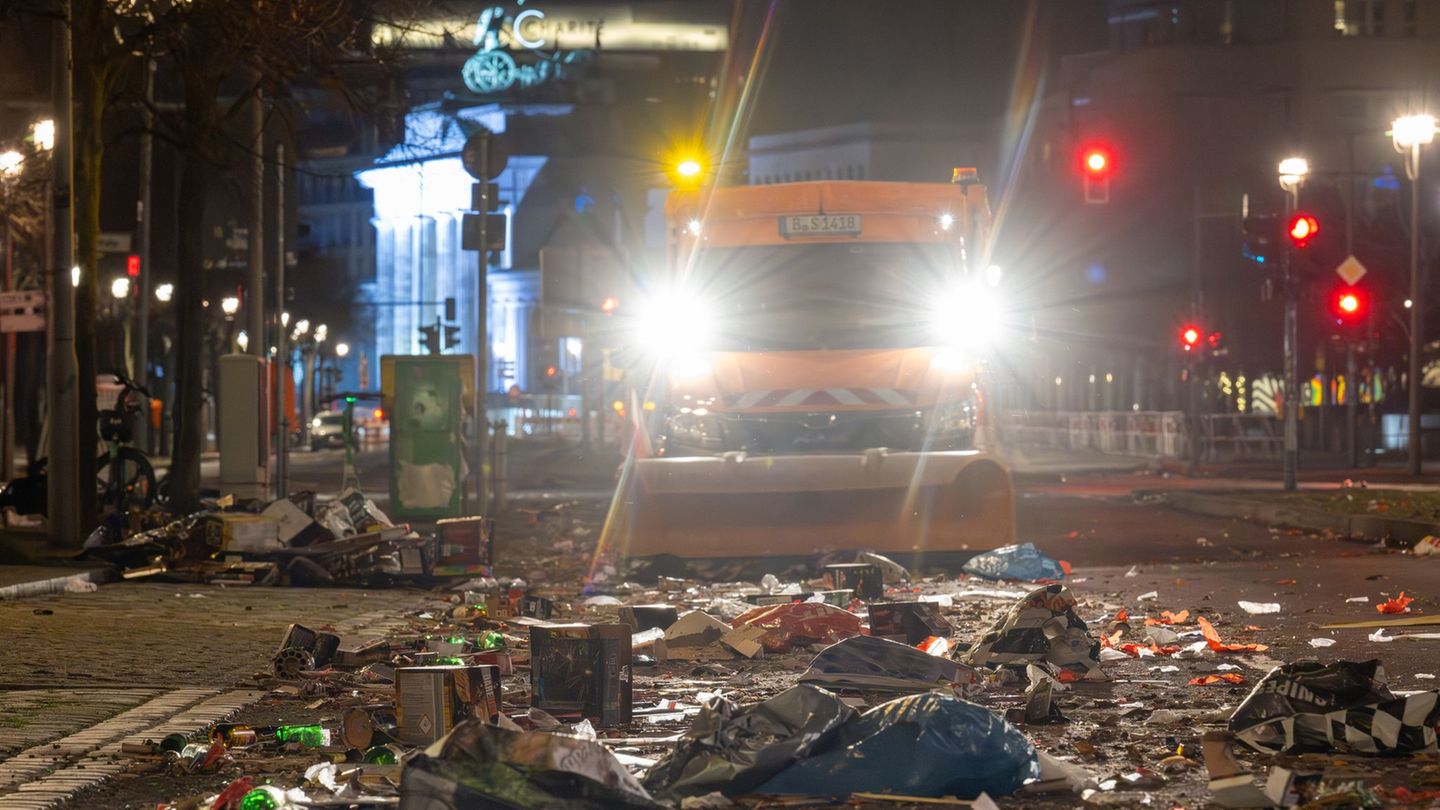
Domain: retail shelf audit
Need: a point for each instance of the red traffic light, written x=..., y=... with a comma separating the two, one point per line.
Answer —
x=1302, y=229
x=1096, y=162
x=551, y=371
x=132, y=266
x=1189, y=337
x=1349, y=305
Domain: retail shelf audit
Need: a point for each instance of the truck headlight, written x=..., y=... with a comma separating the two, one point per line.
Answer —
x=970, y=316
x=675, y=322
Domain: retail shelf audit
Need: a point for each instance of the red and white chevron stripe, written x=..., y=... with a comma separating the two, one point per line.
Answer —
x=797, y=397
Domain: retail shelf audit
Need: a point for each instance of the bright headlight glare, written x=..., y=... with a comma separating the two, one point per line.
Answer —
x=968, y=317
x=675, y=323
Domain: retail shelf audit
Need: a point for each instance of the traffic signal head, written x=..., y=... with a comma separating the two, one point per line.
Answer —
x=452, y=337
x=1262, y=237
x=1190, y=335
x=132, y=266
x=1096, y=162
x=1301, y=229
x=1349, y=306
x=551, y=371
x=430, y=339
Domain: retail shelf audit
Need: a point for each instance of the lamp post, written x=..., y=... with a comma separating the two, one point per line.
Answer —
x=12, y=165
x=1292, y=173
x=1409, y=133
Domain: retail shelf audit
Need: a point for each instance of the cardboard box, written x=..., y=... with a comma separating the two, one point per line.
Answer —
x=242, y=532
x=465, y=546
x=910, y=622
x=430, y=701
x=293, y=526
x=649, y=617
x=582, y=669
x=536, y=607
x=866, y=580
x=497, y=658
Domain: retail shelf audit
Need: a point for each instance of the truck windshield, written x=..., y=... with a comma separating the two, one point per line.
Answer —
x=826, y=295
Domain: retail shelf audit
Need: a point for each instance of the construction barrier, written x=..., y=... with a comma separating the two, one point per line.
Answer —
x=1149, y=434
x=1154, y=434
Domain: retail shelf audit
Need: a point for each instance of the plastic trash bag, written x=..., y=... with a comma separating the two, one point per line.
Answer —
x=1024, y=562
x=922, y=745
x=480, y=765
x=1346, y=706
x=869, y=663
x=733, y=749
x=1043, y=626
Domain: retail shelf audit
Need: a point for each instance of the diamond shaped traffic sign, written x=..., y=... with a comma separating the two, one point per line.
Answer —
x=1351, y=270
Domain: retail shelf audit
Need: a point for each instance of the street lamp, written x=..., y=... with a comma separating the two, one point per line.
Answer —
x=1292, y=172
x=1409, y=133
x=230, y=305
x=243, y=341
x=302, y=327
x=120, y=288
x=321, y=332
x=164, y=292
x=42, y=132
x=342, y=349
x=11, y=163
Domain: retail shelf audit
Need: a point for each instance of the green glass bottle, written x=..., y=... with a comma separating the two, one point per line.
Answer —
x=380, y=755
x=265, y=797
x=311, y=736
x=492, y=641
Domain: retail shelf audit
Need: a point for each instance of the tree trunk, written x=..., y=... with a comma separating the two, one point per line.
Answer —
x=189, y=415
x=90, y=152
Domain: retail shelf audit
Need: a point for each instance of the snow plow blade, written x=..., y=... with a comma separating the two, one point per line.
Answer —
x=920, y=508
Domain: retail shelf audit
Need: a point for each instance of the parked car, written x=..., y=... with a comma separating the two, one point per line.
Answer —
x=327, y=429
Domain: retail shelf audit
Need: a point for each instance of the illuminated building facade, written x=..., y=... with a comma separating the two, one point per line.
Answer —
x=588, y=100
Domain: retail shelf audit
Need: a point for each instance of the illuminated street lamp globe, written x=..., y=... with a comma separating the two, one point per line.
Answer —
x=230, y=305
x=342, y=349
x=164, y=292
x=11, y=163
x=43, y=134
x=120, y=287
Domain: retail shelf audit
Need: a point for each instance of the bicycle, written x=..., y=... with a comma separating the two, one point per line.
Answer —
x=124, y=477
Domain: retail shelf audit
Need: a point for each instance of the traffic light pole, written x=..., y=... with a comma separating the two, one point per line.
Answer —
x=482, y=339
x=1292, y=376
x=1417, y=298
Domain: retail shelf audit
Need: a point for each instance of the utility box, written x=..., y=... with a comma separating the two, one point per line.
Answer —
x=244, y=432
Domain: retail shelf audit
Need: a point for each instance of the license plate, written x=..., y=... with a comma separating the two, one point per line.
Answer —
x=821, y=225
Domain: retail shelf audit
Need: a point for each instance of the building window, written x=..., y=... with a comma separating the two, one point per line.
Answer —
x=1361, y=18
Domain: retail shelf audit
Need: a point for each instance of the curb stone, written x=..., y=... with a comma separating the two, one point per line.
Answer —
x=1369, y=526
x=45, y=587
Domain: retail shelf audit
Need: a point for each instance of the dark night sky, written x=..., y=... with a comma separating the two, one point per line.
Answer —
x=935, y=61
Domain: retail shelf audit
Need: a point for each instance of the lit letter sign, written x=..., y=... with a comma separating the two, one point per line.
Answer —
x=517, y=28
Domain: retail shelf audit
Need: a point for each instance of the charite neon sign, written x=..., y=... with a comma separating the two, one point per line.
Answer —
x=493, y=70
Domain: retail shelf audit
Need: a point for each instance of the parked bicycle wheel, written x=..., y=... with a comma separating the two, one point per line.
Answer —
x=133, y=485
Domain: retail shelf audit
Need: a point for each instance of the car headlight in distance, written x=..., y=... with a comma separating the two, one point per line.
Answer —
x=315, y=423
x=968, y=316
x=675, y=322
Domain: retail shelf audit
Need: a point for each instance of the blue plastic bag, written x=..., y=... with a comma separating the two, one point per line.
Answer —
x=1022, y=562
x=930, y=744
